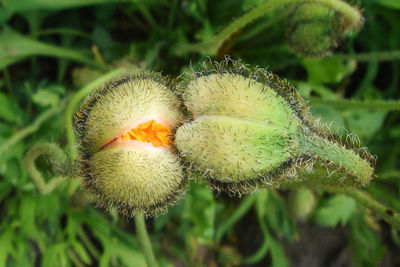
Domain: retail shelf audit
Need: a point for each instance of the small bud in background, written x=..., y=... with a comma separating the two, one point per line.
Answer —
x=314, y=29
x=301, y=203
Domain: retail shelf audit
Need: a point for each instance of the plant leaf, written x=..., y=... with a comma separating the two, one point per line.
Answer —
x=337, y=209
x=15, y=47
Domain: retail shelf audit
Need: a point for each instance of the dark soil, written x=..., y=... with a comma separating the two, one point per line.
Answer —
x=315, y=246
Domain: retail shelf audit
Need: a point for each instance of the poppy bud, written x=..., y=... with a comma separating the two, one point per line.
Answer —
x=126, y=154
x=314, y=29
x=251, y=128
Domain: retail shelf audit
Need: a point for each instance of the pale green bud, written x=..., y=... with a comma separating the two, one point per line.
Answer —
x=301, y=203
x=244, y=132
x=314, y=29
x=251, y=128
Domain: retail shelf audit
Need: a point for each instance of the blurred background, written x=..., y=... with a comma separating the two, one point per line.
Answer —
x=51, y=49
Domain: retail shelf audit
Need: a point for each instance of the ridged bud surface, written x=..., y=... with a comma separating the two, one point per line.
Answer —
x=233, y=149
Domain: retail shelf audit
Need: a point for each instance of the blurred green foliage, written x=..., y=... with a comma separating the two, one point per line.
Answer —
x=49, y=49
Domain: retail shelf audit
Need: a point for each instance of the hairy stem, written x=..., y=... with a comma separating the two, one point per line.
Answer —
x=75, y=100
x=357, y=104
x=144, y=240
x=212, y=46
x=31, y=128
x=58, y=159
x=343, y=159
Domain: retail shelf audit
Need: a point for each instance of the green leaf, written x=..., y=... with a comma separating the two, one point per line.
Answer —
x=5, y=189
x=366, y=123
x=248, y=4
x=17, y=152
x=45, y=98
x=49, y=204
x=12, y=172
x=81, y=252
x=327, y=70
x=202, y=213
x=337, y=209
x=114, y=246
x=277, y=217
x=15, y=47
x=307, y=88
x=331, y=116
x=9, y=110
x=277, y=253
x=54, y=255
x=27, y=214
x=368, y=249
x=9, y=7
x=5, y=245
x=105, y=258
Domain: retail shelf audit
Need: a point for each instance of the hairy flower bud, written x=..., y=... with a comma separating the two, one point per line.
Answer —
x=314, y=28
x=126, y=153
x=252, y=128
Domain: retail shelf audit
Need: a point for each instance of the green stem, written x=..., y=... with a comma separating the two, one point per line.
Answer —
x=75, y=100
x=331, y=153
x=212, y=46
x=357, y=104
x=31, y=128
x=239, y=212
x=372, y=56
x=144, y=240
x=58, y=160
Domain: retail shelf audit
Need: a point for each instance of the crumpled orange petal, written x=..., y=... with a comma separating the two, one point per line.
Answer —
x=149, y=132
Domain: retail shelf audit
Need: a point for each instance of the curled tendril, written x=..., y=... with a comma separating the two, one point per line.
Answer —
x=58, y=160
